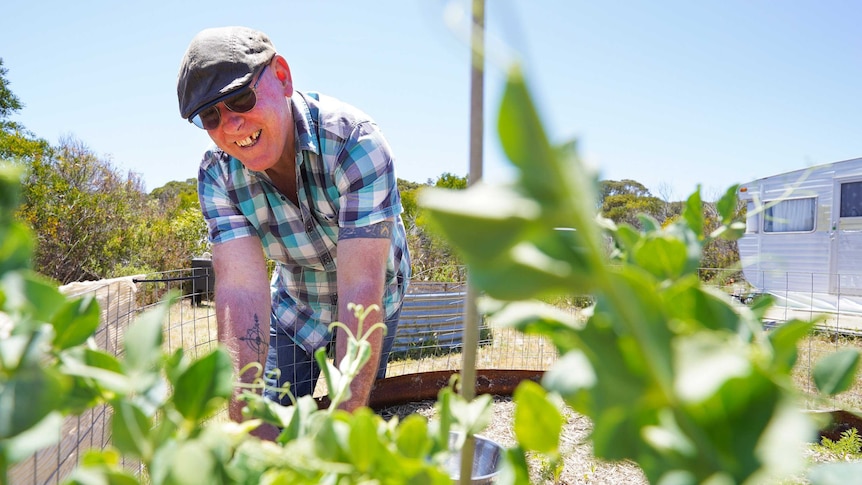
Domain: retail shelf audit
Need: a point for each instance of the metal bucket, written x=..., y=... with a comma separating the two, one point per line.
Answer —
x=486, y=459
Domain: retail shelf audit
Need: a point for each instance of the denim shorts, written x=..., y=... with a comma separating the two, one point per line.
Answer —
x=299, y=369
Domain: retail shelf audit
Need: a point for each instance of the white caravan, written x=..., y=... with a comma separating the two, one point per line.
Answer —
x=803, y=239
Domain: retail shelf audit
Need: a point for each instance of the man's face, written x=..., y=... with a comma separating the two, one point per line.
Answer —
x=258, y=137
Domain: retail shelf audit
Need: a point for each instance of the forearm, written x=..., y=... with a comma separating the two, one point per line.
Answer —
x=243, y=308
x=361, y=280
x=368, y=295
x=243, y=327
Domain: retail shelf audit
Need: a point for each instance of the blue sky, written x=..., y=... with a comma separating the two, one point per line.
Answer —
x=669, y=93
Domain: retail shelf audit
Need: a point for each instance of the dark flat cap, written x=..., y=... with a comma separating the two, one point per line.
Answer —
x=219, y=61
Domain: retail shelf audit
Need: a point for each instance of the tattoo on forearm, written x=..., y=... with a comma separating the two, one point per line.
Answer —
x=381, y=230
x=252, y=337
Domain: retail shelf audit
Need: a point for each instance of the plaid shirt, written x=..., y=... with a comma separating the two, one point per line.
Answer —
x=345, y=178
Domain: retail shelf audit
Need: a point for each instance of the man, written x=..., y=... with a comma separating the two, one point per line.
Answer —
x=306, y=181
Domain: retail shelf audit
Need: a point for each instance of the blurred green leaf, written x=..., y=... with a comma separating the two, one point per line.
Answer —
x=10, y=189
x=443, y=406
x=143, y=340
x=16, y=248
x=787, y=424
x=472, y=417
x=626, y=237
x=28, y=396
x=693, y=213
x=75, y=322
x=732, y=422
x=96, y=475
x=514, y=470
x=412, y=437
x=296, y=418
x=39, y=435
x=482, y=221
x=101, y=359
x=726, y=205
x=160, y=466
x=526, y=145
x=130, y=430
x=639, y=321
x=664, y=257
x=365, y=447
x=696, y=308
x=95, y=468
x=331, y=374
x=667, y=438
x=571, y=376
x=761, y=304
x=525, y=272
x=31, y=294
x=205, y=386
x=192, y=462
x=693, y=245
x=538, y=318
x=704, y=362
x=785, y=340
x=102, y=369
x=329, y=439
x=836, y=372
x=538, y=422
x=12, y=350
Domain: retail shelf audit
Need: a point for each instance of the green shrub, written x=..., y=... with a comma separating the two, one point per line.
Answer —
x=846, y=448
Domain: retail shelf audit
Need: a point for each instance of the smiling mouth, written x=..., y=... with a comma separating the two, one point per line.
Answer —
x=250, y=141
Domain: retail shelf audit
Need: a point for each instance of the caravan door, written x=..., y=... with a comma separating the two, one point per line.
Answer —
x=846, y=234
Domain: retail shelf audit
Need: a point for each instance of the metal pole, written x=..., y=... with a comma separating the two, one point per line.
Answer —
x=471, y=314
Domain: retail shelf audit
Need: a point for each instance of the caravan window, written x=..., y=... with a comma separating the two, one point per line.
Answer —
x=752, y=217
x=851, y=199
x=791, y=215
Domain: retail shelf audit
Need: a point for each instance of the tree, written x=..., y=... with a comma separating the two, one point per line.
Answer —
x=172, y=229
x=451, y=181
x=720, y=255
x=179, y=195
x=432, y=257
x=622, y=202
x=83, y=213
x=408, y=191
x=16, y=142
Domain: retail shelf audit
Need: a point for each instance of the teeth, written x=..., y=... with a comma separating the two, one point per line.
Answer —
x=250, y=140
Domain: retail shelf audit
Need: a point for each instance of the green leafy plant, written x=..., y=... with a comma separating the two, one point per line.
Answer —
x=847, y=447
x=672, y=374
x=39, y=332
x=163, y=405
x=333, y=446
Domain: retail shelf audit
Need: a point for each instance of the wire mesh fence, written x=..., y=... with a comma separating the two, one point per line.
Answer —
x=118, y=303
x=802, y=296
x=428, y=340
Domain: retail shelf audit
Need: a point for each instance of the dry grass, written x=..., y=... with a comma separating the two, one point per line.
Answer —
x=506, y=349
x=812, y=350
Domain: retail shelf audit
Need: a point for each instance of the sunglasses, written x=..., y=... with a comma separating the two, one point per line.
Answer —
x=242, y=101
